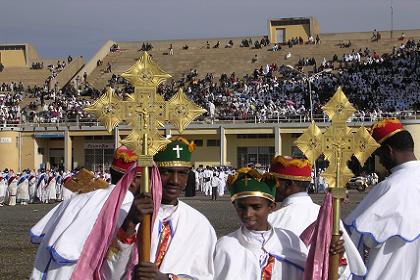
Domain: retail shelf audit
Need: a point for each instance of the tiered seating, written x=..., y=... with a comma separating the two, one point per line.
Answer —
x=236, y=59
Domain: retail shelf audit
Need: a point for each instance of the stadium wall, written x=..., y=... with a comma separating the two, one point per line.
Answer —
x=227, y=144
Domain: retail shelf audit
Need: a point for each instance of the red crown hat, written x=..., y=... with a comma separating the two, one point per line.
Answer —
x=124, y=158
x=11, y=179
x=291, y=168
x=384, y=129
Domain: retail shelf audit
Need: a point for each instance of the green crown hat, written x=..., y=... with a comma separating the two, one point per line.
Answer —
x=247, y=183
x=176, y=154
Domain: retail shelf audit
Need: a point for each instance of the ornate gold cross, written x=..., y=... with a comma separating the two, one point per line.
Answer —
x=145, y=111
x=84, y=182
x=338, y=143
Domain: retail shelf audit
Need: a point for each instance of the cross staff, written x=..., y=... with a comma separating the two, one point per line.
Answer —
x=338, y=143
x=145, y=111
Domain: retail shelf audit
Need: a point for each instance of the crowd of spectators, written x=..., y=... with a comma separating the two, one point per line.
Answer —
x=377, y=85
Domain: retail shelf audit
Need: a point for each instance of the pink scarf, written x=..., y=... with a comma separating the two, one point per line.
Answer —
x=319, y=235
x=156, y=189
x=100, y=238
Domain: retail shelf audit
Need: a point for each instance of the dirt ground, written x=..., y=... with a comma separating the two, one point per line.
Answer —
x=17, y=254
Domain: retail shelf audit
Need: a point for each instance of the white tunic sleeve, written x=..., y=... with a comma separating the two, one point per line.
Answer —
x=115, y=265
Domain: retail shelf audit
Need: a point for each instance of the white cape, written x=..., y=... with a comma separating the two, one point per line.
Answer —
x=387, y=221
x=238, y=258
x=64, y=230
x=298, y=211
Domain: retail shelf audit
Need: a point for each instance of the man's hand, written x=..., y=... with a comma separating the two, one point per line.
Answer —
x=142, y=206
x=337, y=248
x=148, y=271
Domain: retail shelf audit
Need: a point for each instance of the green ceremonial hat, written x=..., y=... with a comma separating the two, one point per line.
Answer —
x=176, y=154
x=247, y=182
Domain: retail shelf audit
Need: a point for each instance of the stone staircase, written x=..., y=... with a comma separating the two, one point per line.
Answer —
x=71, y=70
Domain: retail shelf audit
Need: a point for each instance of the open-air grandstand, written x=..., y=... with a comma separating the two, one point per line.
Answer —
x=254, y=99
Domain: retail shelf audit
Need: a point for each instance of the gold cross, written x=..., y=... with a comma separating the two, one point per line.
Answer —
x=145, y=110
x=84, y=182
x=338, y=143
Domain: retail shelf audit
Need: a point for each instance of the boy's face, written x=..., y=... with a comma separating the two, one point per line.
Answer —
x=174, y=181
x=253, y=212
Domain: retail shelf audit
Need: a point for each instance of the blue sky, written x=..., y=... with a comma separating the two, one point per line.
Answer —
x=58, y=28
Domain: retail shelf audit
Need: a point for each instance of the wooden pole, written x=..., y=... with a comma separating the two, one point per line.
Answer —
x=335, y=259
x=144, y=234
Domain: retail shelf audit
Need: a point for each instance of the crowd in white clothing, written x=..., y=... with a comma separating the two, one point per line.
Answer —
x=36, y=187
x=377, y=85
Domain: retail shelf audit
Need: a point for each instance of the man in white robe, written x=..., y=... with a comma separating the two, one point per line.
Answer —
x=12, y=190
x=32, y=188
x=257, y=250
x=50, y=194
x=22, y=195
x=40, y=186
x=183, y=240
x=3, y=189
x=386, y=222
x=297, y=210
x=62, y=233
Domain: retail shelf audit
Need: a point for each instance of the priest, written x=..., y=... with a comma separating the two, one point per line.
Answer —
x=183, y=240
x=297, y=210
x=63, y=232
x=386, y=222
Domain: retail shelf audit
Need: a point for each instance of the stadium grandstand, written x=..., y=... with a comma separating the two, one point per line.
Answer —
x=255, y=91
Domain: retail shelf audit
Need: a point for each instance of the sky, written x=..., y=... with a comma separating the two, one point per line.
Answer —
x=58, y=28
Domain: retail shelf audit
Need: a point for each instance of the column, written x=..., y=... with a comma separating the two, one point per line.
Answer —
x=277, y=141
x=222, y=146
x=68, y=157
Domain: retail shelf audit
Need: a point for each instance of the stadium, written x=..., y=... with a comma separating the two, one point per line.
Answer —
x=255, y=90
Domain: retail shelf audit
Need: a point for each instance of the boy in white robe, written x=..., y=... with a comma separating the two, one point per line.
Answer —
x=297, y=210
x=386, y=222
x=257, y=250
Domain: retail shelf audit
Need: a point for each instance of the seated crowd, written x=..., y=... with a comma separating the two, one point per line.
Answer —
x=377, y=85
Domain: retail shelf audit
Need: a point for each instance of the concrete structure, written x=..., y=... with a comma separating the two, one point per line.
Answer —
x=283, y=29
x=217, y=144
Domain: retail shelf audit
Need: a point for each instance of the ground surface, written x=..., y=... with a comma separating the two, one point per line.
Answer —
x=17, y=254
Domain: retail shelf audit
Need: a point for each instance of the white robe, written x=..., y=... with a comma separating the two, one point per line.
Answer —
x=190, y=253
x=238, y=255
x=297, y=212
x=40, y=187
x=22, y=195
x=387, y=221
x=3, y=190
x=61, y=233
x=32, y=189
x=51, y=191
x=12, y=191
